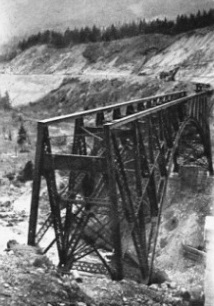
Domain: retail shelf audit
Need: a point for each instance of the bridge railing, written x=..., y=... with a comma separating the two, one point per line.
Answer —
x=126, y=108
x=84, y=130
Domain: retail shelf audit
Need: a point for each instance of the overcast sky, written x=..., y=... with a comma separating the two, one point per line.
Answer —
x=21, y=17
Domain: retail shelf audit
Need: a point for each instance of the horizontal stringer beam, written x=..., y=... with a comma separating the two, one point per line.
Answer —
x=73, y=162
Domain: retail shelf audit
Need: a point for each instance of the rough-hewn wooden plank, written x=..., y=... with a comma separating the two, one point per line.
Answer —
x=193, y=253
x=73, y=162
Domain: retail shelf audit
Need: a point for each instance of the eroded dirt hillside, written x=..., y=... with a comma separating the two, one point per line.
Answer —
x=121, y=56
x=191, y=51
x=117, y=59
x=140, y=59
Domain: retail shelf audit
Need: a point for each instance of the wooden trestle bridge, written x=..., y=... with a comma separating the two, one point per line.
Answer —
x=115, y=161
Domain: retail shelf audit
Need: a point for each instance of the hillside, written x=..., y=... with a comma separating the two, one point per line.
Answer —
x=131, y=55
x=136, y=60
x=94, y=61
x=126, y=55
x=192, y=52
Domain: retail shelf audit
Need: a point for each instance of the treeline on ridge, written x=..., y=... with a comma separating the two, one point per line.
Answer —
x=182, y=23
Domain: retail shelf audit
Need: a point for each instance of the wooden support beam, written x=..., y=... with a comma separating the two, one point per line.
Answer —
x=79, y=143
x=141, y=213
x=74, y=162
x=36, y=184
x=53, y=199
x=114, y=211
x=87, y=130
x=193, y=253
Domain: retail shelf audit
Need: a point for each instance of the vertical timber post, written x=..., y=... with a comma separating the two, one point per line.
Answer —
x=36, y=184
x=79, y=144
x=152, y=194
x=54, y=200
x=141, y=213
x=208, y=136
x=114, y=213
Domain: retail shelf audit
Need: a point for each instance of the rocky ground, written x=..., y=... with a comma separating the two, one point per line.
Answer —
x=29, y=278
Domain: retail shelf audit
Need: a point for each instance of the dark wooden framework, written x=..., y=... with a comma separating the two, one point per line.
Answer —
x=135, y=145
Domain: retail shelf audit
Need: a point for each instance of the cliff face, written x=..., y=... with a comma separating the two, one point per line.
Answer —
x=192, y=52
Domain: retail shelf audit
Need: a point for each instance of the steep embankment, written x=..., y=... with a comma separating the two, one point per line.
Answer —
x=87, y=62
x=138, y=60
x=126, y=55
x=103, y=73
x=192, y=52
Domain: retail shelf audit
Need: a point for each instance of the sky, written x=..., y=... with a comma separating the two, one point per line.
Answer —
x=23, y=17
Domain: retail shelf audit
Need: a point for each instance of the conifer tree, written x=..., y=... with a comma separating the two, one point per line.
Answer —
x=22, y=136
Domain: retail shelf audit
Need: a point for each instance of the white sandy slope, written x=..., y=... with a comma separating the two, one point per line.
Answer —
x=41, y=69
x=193, y=53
